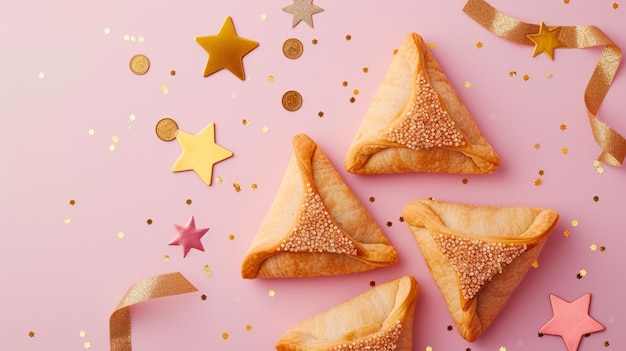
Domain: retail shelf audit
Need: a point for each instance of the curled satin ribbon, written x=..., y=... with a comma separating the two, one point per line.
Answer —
x=143, y=290
x=585, y=36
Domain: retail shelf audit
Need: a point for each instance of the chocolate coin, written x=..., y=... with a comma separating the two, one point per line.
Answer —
x=292, y=100
x=139, y=64
x=166, y=129
x=292, y=48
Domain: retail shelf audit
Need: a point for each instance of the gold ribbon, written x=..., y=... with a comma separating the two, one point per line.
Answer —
x=143, y=290
x=612, y=143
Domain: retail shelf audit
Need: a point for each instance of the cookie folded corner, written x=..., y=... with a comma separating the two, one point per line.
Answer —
x=416, y=122
x=477, y=255
x=315, y=225
x=378, y=319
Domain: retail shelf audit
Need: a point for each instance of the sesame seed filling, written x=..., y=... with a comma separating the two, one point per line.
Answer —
x=386, y=340
x=315, y=230
x=426, y=124
x=476, y=261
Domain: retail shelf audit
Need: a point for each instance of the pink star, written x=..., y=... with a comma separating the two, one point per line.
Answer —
x=571, y=320
x=189, y=237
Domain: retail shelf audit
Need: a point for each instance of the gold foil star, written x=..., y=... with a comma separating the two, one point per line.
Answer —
x=226, y=50
x=302, y=10
x=546, y=40
x=200, y=153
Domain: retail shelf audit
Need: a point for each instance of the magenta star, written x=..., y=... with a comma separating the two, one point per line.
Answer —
x=571, y=320
x=189, y=237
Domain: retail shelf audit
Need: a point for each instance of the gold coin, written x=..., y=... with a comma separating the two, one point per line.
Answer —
x=139, y=64
x=166, y=129
x=292, y=48
x=292, y=100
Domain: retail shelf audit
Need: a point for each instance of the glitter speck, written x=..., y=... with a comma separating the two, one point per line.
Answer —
x=271, y=293
x=593, y=247
x=502, y=348
x=263, y=17
x=431, y=45
x=513, y=74
x=615, y=5
x=112, y=147
x=355, y=92
x=564, y=150
x=449, y=328
x=538, y=181
x=548, y=74
x=172, y=73
x=600, y=170
x=245, y=122
x=320, y=114
x=237, y=187
x=526, y=77
x=479, y=44
x=87, y=345
x=166, y=258
x=254, y=186
x=207, y=271
x=115, y=139
x=203, y=297
x=91, y=132
x=248, y=327
x=535, y=264
x=372, y=283
x=583, y=272
x=596, y=198
x=537, y=146
x=188, y=201
x=107, y=31
x=231, y=237
x=149, y=221
x=225, y=336
x=67, y=221
x=541, y=172
x=265, y=129
x=467, y=84
x=352, y=100
x=72, y=202
x=428, y=348
x=82, y=333
x=365, y=69
x=219, y=180
x=344, y=83
x=31, y=334
x=605, y=343
x=574, y=223
x=348, y=37
x=563, y=126
x=566, y=233
x=270, y=78
x=464, y=180
x=121, y=235
x=389, y=224
x=314, y=41
x=372, y=199
x=41, y=75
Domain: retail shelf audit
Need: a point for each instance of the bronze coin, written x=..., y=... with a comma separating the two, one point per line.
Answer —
x=166, y=129
x=139, y=64
x=292, y=48
x=292, y=100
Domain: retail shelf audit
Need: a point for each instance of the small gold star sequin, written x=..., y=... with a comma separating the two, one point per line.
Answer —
x=535, y=264
x=449, y=328
x=401, y=219
x=126, y=37
x=115, y=139
x=526, y=77
x=574, y=223
x=512, y=74
x=87, y=345
x=265, y=129
x=149, y=221
x=91, y=132
x=348, y=37
x=428, y=348
x=538, y=181
x=314, y=41
x=467, y=84
x=372, y=283
x=389, y=224
x=600, y=170
x=566, y=233
x=41, y=75
x=225, y=336
x=602, y=248
x=596, y=163
x=248, y=327
x=605, y=343
x=132, y=117
x=112, y=147
x=271, y=293
x=320, y=114
x=72, y=202
x=395, y=51
x=31, y=334
x=615, y=5
x=207, y=271
x=537, y=146
x=219, y=180
x=166, y=258
x=172, y=73
x=344, y=83
x=121, y=235
x=237, y=187
x=270, y=78
x=564, y=151
x=372, y=199
x=596, y=198
x=365, y=69
x=355, y=91
x=431, y=45
x=245, y=122
x=464, y=180
x=352, y=100
x=479, y=44
x=548, y=74
x=593, y=247
x=82, y=333
x=263, y=17
x=165, y=89
x=582, y=272
x=188, y=201
x=541, y=172
x=203, y=297
x=502, y=348
x=107, y=31
x=563, y=126
x=67, y=221
x=566, y=2
x=231, y=237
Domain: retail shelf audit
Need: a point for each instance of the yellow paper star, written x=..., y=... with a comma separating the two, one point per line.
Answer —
x=226, y=50
x=200, y=153
x=303, y=10
x=546, y=40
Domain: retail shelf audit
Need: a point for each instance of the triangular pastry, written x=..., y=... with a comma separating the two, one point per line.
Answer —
x=417, y=123
x=315, y=226
x=379, y=319
x=477, y=255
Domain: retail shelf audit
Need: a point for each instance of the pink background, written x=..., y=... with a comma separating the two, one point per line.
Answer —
x=60, y=279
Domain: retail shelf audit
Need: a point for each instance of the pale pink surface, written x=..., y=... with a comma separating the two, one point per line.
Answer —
x=59, y=279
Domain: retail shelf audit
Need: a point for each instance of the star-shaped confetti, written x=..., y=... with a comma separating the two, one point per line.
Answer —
x=189, y=236
x=302, y=10
x=226, y=50
x=571, y=320
x=546, y=40
x=200, y=153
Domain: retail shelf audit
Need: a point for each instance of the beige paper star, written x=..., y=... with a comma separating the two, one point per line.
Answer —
x=226, y=50
x=546, y=40
x=200, y=153
x=302, y=10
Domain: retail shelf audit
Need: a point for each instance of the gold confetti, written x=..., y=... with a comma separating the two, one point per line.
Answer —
x=431, y=45
x=564, y=150
x=271, y=293
x=352, y=100
x=82, y=333
x=566, y=2
x=467, y=84
x=548, y=74
x=526, y=77
x=112, y=147
x=596, y=198
x=141, y=39
x=605, y=343
x=600, y=170
x=389, y=224
x=133, y=38
x=91, y=132
x=348, y=37
x=537, y=146
x=31, y=334
x=538, y=181
x=401, y=219
x=41, y=75
x=596, y=163
x=219, y=180
x=535, y=264
x=372, y=283
x=263, y=17
x=207, y=271
x=314, y=41
x=87, y=345
x=165, y=89
x=365, y=69
x=72, y=202
x=254, y=186
x=566, y=233
x=225, y=336
x=479, y=44
x=320, y=114
x=203, y=297
x=602, y=248
x=237, y=187
x=563, y=126
x=582, y=272
x=574, y=223
x=344, y=83
x=188, y=201
x=502, y=348
x=593, y=247
x=541, y=172
x=126, y=37
x=67, y=221
x=245, y=122
x=172, y=73
x=149, y=221
x=615, y=5
x=265, y=129
x=107, y=31
x=270, y=78
x=513, y=74
x=464, y=180
x=115, y=139
x=428, y=348
x=372, y=199
x=121, y=235
x=166, y=258
x=231, y=237
x=248, y=327
x=355, y=92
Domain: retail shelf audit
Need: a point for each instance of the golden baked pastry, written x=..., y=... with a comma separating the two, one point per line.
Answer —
x=477, y=255
x=381, y=318
x=315, y=226
x=417, y=123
